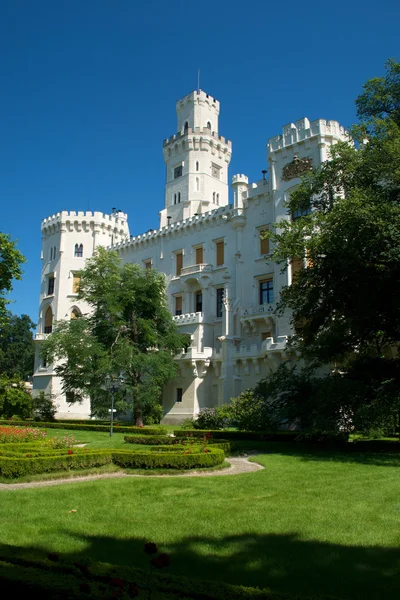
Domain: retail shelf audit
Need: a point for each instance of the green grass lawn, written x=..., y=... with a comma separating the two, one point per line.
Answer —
x=313, y=522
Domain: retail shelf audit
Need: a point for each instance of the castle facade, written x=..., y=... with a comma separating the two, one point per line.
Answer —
x=221, y=287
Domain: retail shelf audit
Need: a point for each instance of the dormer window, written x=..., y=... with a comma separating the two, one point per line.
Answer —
x=78, y=250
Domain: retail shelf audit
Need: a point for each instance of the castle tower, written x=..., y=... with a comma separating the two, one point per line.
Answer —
x=197, y=160
x=68, y=240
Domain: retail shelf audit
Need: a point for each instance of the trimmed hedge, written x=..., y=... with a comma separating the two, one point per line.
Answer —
x=169, y=460
x=18, y=466
x=221, y=444
x=279, y=436
x=151, y=440
x=87, y=427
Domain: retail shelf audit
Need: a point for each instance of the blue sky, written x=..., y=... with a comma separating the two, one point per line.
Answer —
x=88, y=92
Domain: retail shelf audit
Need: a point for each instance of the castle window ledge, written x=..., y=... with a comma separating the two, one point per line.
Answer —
x=202, y=268
x=188, y=318
x=49, y=296
x=219, y=268
x=72, y=295
x=41, y=336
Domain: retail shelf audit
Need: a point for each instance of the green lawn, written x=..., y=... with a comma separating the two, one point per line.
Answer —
x=313, y=522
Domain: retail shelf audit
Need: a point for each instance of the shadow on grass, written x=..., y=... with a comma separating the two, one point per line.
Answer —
x=282, y=563
x=322, y=452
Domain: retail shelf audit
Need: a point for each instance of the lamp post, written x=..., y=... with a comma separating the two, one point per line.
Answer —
x=113, y=384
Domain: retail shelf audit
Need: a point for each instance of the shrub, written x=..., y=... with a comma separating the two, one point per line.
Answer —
x=152, y=414
x=212, y=418
x=43, y=407
x=151, y=440
x=169, y=460
x=18, y=466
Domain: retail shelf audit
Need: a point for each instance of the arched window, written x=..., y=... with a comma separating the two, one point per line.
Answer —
x=197, y=165
x=174, y=198
x=197, y=184
x=78, y=250
x=186, y=126
x=48, y=320
x=218, y=199
x=76, y=313
x=208, y=125
x=213, y=197
x=51, y=253
x=179, y=197
x=54, y=252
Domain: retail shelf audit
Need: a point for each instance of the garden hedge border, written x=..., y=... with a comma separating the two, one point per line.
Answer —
x=84, y=427
x=265, y=436
x=170, y=460
x=16, y=466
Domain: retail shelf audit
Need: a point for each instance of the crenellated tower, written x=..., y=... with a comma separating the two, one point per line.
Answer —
x=197, y=160
x=69, y=238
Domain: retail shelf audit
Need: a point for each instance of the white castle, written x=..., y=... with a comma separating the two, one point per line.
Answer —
x=222, y=289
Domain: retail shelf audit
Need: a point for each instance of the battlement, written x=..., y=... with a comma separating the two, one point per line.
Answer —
x=181, y=135
x=240, y=179
x=223, y=213
x=117, y=221
x=303, y=129
x=200, y=97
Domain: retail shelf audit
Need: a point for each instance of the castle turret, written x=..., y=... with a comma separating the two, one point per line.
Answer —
x=68, y=239
x=197, y=160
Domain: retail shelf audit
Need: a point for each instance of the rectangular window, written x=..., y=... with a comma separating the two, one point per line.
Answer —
x=179, y=394
x=178, y=305
x=178, y=172
x=297, y=214
x=219, y=246
x=220, y=298
x=199, y=302
x=199, y=255
x=266, y=291
x=264, y=242
x=179, y=263
x=50, y=286
x=76, y=281
x=215, y=171
x=147, y=263
x=265, y=335
x=70, y=397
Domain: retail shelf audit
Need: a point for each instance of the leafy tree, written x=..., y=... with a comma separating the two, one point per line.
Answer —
x=10, y=268
x=344, y=303
x=17, y=350
x=14, y=399
x=43, y=407
x=129, y=331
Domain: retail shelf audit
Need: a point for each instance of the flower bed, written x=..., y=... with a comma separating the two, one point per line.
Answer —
x=88, y=427
x=20, y=434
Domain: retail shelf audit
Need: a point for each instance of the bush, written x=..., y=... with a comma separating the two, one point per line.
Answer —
x=266, y=436
x=212, y=418
x=19, y=466
x=169, y=460
x=43, y=407
x=88, y=427
x=152, y=414
x=150, y=440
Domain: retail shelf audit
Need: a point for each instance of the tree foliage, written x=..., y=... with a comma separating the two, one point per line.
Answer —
x=15, y=401
x=10, y=268
x=17, y=350
x=344, y=303
x=128, y=331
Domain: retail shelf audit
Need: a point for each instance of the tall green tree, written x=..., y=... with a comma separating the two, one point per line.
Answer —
x=10, y=268
x=17, y=350
x=344, y=303
x=129, y=330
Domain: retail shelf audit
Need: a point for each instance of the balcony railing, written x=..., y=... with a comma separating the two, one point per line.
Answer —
x=41, y=336
x=196, y=269
x=188, y=318
x=259, y=309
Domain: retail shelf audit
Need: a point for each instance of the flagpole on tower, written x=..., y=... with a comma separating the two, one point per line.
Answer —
x=198, y=81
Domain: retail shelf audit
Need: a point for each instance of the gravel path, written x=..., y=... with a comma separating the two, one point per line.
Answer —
x=238, y=465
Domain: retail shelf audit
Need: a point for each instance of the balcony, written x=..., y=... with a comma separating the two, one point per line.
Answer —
x=194, y=269
x=39, y=337
x=188, y=318
x=260, y=310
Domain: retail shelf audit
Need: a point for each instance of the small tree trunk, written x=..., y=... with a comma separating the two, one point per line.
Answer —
x=138, y=416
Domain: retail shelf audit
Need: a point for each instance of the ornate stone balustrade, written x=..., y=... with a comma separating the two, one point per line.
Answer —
x=188, y=318
x=259, y=309
x=202, y=268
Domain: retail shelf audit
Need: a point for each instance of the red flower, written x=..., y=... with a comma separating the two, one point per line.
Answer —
x=206, y=450
x=133, y=590
x=85, y=587
x=70, y=452
x=150, y=548
x=165, y=559
x=116, y=582
x=54, y=556
x=156, y=562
